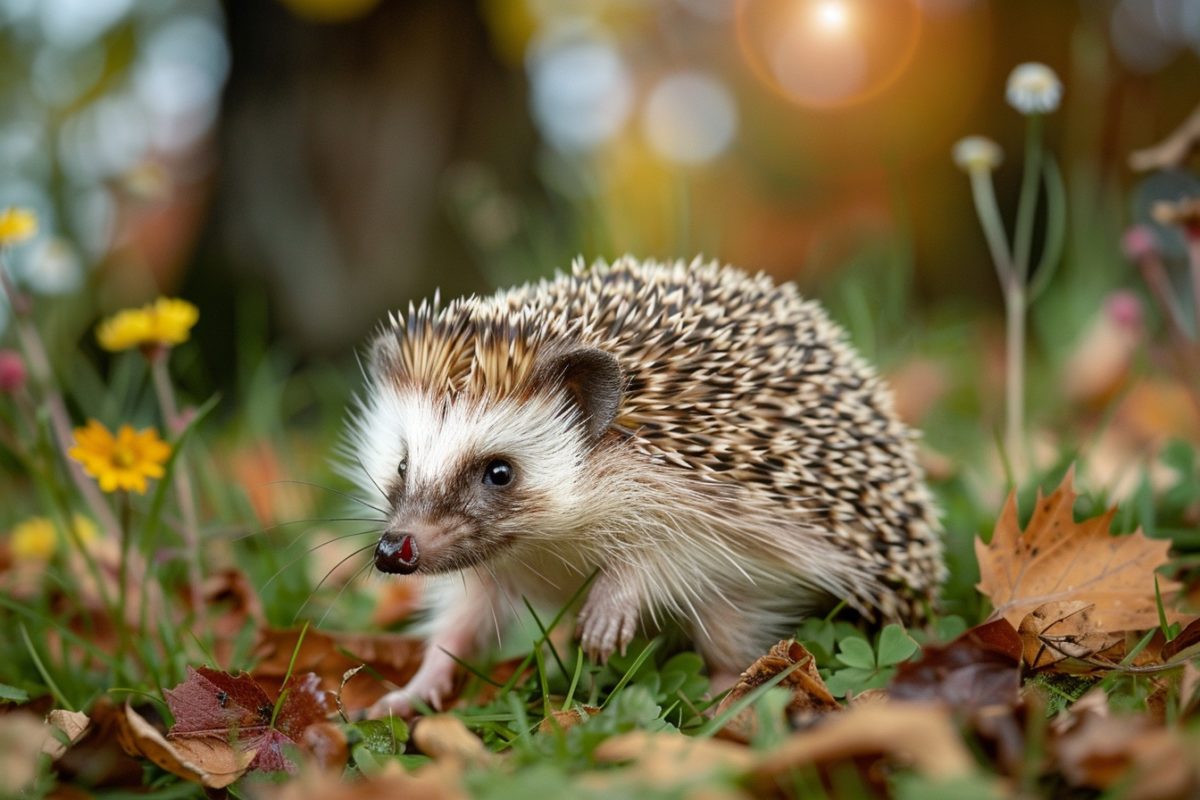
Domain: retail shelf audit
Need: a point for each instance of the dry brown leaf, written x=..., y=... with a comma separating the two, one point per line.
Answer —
x=331, y=655
x=1055, y=632
x=444, y=737
x=1147, y=760
x=393, y=782
x=71, y=724
x=809, y=695
x=568, y=718
x=212, y=762
x=22, y=737
x=667, y=759
x=1057, y=559
x=920, y=735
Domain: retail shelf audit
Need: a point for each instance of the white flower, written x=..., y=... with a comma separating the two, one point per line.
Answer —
x=1034, y=89
x=975, y=153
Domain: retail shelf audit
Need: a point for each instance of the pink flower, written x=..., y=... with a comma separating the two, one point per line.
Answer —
x=1139, y=242
x=1125, y=309
x=12, y=371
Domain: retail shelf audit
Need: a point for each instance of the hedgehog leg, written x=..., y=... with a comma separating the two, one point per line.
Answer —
x=609, y=618
x=457, y=630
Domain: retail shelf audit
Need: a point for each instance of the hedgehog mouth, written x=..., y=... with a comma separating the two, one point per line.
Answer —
x=397, y=553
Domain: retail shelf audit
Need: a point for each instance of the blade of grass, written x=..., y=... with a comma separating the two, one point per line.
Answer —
x=545, y=634
x=288, y=675
x=41, y=668
x=633, y=668
x=716, y=723
x=574, y=678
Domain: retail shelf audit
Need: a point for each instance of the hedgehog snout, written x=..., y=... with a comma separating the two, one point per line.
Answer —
x=397, y=553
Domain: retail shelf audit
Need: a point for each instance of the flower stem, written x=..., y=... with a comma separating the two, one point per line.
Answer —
x=60, y=421
x=1015, y=306
x=183, y=484
x=993, y=226
x=121, y=620
x=1029, y=191
x=1193, y=247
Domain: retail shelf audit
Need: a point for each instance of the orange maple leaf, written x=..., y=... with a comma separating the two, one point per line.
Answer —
x=1058, y=559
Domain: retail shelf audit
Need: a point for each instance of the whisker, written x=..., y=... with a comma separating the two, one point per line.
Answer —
x=491, y=603
x=312, y=549
x=358, y=573
x=321, y=583
x=363, y=467
x=338, y=492
x=277, y=525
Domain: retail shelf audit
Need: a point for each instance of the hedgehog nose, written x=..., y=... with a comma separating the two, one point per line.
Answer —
x=397, y=553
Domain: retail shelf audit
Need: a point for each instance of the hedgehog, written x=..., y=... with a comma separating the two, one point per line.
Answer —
x=699, y=446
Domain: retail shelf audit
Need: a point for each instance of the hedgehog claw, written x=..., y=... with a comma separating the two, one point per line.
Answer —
x=606, y=625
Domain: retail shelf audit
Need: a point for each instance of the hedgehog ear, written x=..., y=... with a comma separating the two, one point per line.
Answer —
x=593, y=381
x=383, y=354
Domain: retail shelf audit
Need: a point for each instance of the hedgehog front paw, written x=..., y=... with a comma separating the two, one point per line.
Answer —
x=605, y=625
x=405, y=702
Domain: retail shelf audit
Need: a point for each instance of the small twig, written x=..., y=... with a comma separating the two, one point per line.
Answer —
x=1171, y=151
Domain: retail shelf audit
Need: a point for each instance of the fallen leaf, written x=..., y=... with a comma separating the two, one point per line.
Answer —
x=230, y=605
x=71, y=725
x=430, y=782
x=327, y=745
x=444, y=737
x=217, y=705
x=1055, y=632
x=210, y=762
x=666, y=759
x=392, y=657
x=565, y=719
x=1146, y=760
x=1187, y=639
x=917, y=735
x=809, y=695
x=22, y=737
x=1057, y=559
x=979, y=668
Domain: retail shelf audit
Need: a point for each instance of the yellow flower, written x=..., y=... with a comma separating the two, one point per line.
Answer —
x=163, y=323
x=34, y=540
x=17, y=225
x=123, y=461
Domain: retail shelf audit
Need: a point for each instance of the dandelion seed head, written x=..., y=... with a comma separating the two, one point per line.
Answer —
x=1034, y=88
x=977, y=153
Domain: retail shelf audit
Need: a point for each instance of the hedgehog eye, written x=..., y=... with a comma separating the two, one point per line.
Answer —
x=497, y=473
x=402, y=469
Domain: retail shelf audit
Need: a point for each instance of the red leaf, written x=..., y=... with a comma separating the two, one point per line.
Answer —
x=979, y=668
x=215, y=704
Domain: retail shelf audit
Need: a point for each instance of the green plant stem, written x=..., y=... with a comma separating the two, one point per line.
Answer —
x=1029, y=191
x=993, y=226
x=60, y=421
x=183, y=484
x=1193, y=248
x=1015, y=307
x=123, y=569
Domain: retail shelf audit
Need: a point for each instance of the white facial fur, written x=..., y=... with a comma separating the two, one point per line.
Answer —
x=436, y=436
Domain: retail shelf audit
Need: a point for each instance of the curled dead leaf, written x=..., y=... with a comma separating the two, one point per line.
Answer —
x=1055, y=632
x=210, y=762
x=71, y=725
x=327, y=745
x=809, y=696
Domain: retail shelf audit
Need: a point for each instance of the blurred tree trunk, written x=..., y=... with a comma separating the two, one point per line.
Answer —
x=332, y=144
